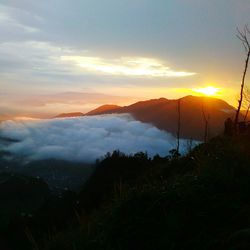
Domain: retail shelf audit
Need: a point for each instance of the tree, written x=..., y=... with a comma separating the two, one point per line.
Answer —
x=178, y=126
x=243, y=36
x=206, y=119
x=246, y=102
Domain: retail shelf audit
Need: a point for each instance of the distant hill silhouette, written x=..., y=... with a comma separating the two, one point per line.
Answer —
x=162, y=113
x=65, y=115
x=103, y=109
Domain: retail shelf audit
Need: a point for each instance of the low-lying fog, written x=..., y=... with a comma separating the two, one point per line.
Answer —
x=85, y=139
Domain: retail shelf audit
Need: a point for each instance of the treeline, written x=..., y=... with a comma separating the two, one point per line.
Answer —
x=198, y=201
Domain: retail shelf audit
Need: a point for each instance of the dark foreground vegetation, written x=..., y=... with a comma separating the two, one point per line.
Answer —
x=199, y=201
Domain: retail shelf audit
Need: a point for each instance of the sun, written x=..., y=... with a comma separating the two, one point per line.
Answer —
x=208, y=91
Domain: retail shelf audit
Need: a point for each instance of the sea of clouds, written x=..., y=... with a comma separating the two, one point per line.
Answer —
x=85, y=139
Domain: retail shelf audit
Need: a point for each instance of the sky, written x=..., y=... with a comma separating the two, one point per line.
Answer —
x=74, y=55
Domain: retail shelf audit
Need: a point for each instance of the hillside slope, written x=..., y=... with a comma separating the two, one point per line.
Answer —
x=104, y=109
x=199, y=201
x=68, y=115
x=163, y=114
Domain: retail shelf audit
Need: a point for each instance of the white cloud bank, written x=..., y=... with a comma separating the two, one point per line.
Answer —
x=85, y=139
x=126, y=66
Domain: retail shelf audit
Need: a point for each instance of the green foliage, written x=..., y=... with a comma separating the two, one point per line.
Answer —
x=199, y=201
x=114, y=170
x=193, y=202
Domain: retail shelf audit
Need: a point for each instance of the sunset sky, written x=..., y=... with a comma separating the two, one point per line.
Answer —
x=73, y=55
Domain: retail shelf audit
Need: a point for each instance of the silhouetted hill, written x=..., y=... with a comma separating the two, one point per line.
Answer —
x=65, y=115
x=163, y=114
x=103, y=109
x=98, y=111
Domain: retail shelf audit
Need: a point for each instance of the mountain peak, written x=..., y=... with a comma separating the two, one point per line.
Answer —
x=107, y=108
x=163, y=114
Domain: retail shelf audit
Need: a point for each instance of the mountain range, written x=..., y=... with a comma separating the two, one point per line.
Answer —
x=68, y=115
x=163, y=113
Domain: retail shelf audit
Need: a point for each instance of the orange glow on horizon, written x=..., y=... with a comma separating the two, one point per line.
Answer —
x=228, y=94
x=207, y=91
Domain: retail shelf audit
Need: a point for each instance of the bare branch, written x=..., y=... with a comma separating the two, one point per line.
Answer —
x=247, y=29
x=243, y=37
x=240, y=37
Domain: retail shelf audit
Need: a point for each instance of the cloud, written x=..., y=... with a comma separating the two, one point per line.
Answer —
x=8, y=21
x=126, y=66
x=85, y=139
x=34, y=59
x=34, y=55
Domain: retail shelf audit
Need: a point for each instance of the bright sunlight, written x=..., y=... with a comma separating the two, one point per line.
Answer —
x=208, y=91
